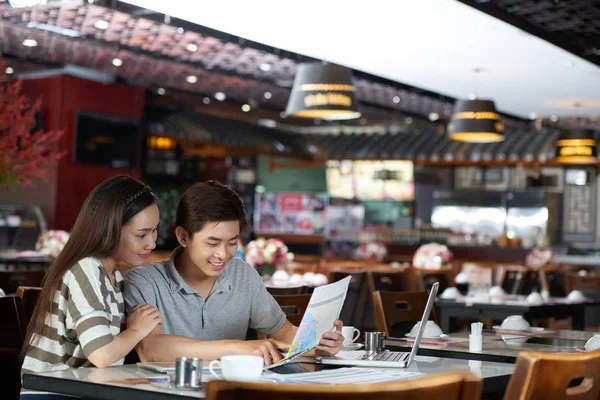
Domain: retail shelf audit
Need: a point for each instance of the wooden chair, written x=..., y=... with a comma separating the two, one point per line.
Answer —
x=553, y=280
x=459, y=385
x=11, y=280
x=572, y=376
x=531, y=282
x=386, y=281
x=578, y=282
x=511, y=279
x=29, y=297
x=425, y=278
x=293, y=306
x=397, y=312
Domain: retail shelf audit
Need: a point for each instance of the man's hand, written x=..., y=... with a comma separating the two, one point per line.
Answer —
x=268, y=349
x=331, y=342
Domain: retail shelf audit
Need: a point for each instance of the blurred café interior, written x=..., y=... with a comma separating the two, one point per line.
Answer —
x=402, y=143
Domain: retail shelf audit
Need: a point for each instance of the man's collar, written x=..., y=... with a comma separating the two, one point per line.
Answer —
x=178, y=283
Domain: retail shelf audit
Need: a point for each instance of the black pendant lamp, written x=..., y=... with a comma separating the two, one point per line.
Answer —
x=475, y=121
x=577, y=147
x=323, y=91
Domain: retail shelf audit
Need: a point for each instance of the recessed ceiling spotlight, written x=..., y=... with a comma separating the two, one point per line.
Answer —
x=532, y=115
x=554, y=118
x=192, y=47
x=206, y=100
x=246, y=108
x=191, y=79
x=268, y=95
x=220, y=96
x=396, y=99
x=102, y=25
x=117, y=62
x=180, y=30
x=30, y=43
x=9, y=70
x=434, y=116
x=472, y=96
x=265, y=67
x=161, y=91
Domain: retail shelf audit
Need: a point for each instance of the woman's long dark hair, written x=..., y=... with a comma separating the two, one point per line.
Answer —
x=96, y=233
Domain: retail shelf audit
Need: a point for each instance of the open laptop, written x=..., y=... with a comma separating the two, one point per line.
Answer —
x=386, y=359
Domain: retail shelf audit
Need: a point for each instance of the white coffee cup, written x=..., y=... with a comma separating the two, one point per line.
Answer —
x=238, y=368
x=351, y=334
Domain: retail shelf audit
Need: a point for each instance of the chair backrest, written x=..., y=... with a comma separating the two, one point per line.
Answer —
x=553, y=280
x=12, y=324
x=354, y=304
x=459, y=385
x=511, y=279
x=531, y=282
x=425, y=278
x=286, y=291
x=11, y=280
x=29, y=297
x=397, y=312
x=571, y=376
x=387, y=281
x=293, y=306
x=579, y=282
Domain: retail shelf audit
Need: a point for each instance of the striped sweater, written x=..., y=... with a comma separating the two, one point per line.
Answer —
x=86, y=313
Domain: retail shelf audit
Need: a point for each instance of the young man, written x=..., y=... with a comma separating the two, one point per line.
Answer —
x=207, y=298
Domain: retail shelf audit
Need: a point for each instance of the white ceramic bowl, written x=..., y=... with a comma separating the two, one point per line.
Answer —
x=535, y=297
x=450, y=293
x=432, y=330
x=576, y=295
x=280, y=277
x=461, y=277
x=296, y=279
x=515, y=323
x=593, y=343
x=496, y=291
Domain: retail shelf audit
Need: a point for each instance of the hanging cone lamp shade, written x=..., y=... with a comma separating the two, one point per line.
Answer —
x=323, y=91
x=577, y=147
x=475, y=121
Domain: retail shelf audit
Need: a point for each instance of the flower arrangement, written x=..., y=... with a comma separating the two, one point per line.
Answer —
x=538, y=257
x=267, y=256
x=52, y=242
x=432, y=256
x=371, y=251
x=24, y=155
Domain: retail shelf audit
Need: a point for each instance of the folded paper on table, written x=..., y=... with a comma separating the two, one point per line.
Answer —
x=344, y=375
x=323, y=309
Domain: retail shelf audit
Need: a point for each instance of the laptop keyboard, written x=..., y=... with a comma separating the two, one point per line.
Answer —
x=384, y=356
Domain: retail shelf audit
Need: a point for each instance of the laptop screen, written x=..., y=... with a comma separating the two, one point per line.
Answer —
x=424, y=319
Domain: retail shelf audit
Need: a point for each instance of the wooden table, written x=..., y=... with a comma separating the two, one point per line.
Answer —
x=449, y=310
x=497, y=349
x=93, y=383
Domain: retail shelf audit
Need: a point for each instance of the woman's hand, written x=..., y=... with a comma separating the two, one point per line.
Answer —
x=144, y=319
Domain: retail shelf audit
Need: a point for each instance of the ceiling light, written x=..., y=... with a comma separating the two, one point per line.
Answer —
x=30, y=43
x=206, y=100
x=323, y=91
x=246, y=108
x=472, y=96
x=396, y=99
x=161, y=91
x=9, y=70
x=434, y=116
x=102, y=24
x=265, y=67
x=554, y=118
x=192, y=47
x=268, y=95
x=576, y=147
x=475, y=121
x=180, y=30
x=220, y=96
x=532, y=115
x=191, y=79
x=117, y=62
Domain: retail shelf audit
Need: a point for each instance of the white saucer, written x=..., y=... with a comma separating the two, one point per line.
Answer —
x=531, y=329
x=408, y=335
x=353, y=346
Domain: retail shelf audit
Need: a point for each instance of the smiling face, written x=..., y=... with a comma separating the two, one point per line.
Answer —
x=213, y=247
x=138, y=237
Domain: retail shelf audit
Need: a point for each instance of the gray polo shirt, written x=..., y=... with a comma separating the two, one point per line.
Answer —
x=237, y=301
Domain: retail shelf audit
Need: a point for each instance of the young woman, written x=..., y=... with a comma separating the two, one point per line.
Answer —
x=80, y=313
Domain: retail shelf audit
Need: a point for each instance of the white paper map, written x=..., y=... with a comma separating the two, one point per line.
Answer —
x=323, y=309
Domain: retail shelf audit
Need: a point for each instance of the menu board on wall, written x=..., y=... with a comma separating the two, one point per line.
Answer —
x=289, y=213
x=371, y=180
